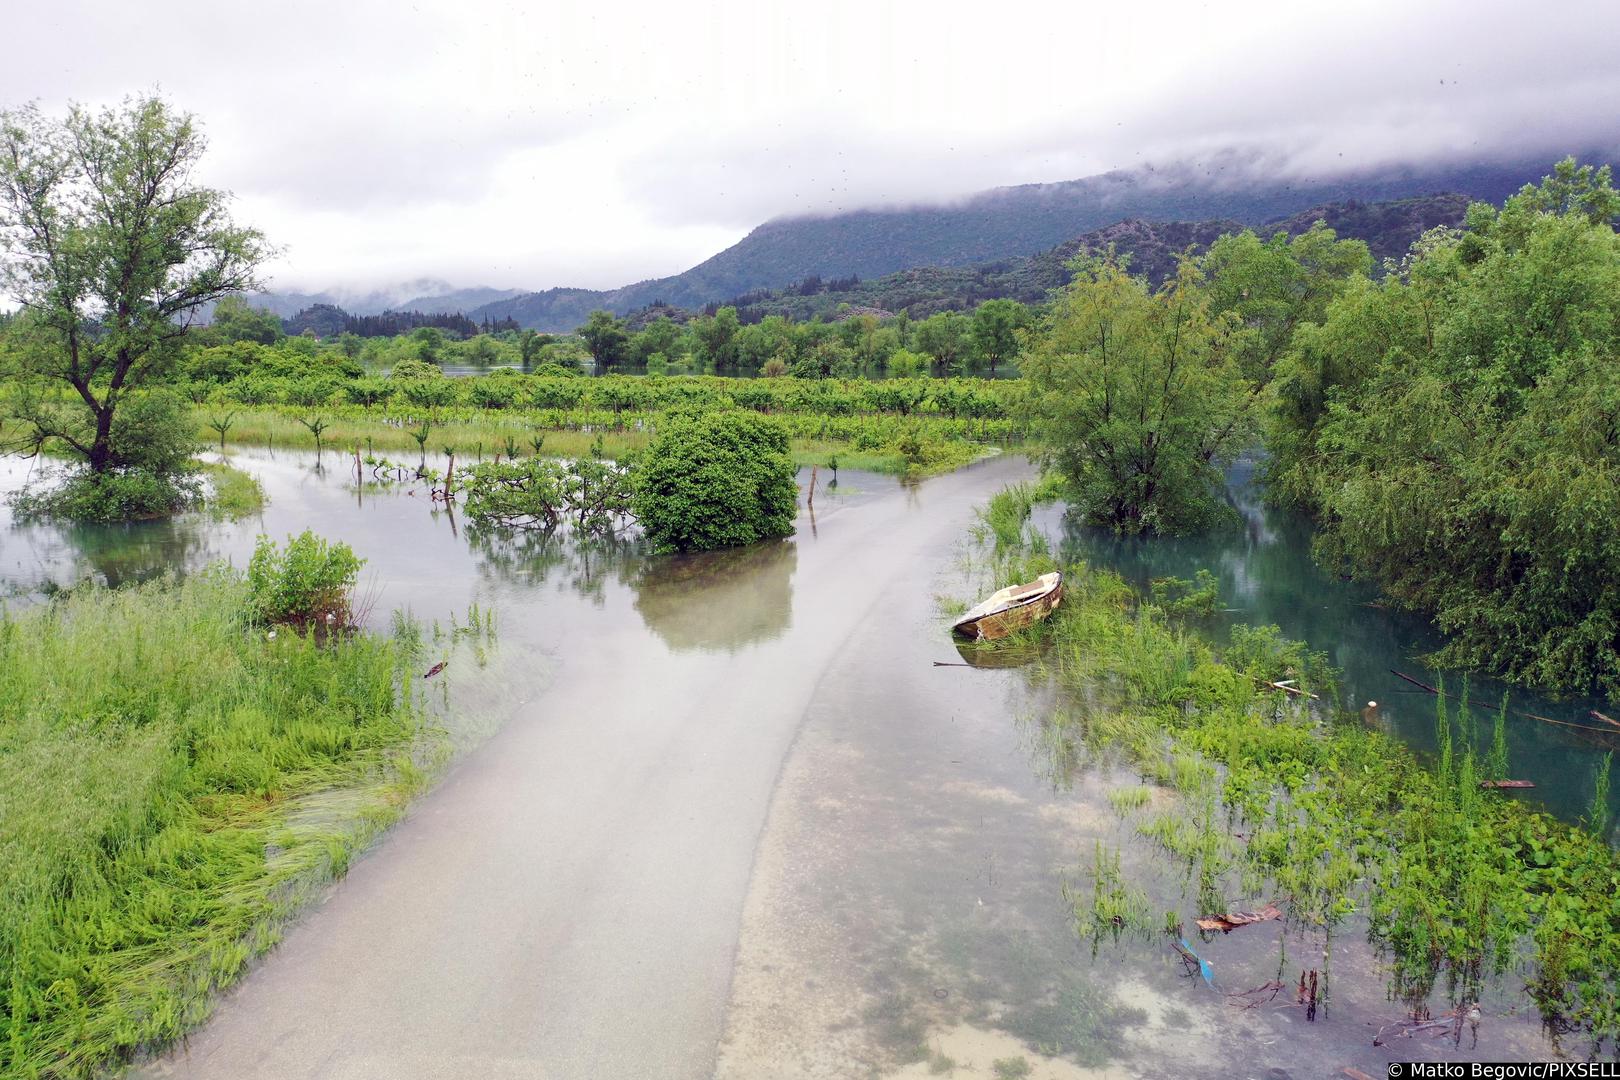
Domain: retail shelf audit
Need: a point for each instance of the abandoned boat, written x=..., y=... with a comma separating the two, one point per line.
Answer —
x=1013, y=608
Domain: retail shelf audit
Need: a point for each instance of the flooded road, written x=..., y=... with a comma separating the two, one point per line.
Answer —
x=566, y=903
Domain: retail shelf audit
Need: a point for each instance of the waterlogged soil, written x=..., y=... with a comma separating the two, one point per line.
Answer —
x=723, y=816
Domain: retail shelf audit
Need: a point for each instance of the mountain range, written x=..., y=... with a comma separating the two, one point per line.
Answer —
x=980, y=231
x=1153, y=248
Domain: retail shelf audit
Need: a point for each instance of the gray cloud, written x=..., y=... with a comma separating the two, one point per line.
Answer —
x=487, y=142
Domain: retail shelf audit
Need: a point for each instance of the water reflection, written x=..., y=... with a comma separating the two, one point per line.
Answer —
x=719, y=600
x=585, y=566
x=40, y=559
x=1267, y=575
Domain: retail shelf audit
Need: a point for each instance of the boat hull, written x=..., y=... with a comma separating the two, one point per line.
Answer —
x=999, y=624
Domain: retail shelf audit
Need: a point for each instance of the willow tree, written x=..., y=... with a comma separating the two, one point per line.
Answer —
x=1140, y=397
x=110, y=247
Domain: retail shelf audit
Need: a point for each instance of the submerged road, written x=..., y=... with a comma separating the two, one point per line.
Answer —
x=566, y=903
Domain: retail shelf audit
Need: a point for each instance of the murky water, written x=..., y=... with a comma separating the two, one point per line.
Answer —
x=1267, y=575
x=734, y=821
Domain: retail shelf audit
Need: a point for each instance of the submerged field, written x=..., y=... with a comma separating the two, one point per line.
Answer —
x=173, y=783
x=915, y=426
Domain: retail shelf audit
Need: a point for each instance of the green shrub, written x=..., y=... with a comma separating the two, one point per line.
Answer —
x=716, y=480
x=309, y=584
x=591, y=494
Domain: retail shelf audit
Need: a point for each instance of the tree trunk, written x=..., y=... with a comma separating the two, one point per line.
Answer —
x=101, y=448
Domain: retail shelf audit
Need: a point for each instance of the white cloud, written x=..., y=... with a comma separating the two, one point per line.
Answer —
x=571, y=144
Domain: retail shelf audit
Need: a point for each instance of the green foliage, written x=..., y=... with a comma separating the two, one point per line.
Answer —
x=156, y=766
x=1459, y=885
x=234, y=320
x=1178, y=596
x=1454, y=429
x=715, y=480
x=235, y=494
x=996, y=325
x=106, y=497
x=607, y=340
x=109, y=248
x=308, y=584
x=1140, y=397
x=589, y=494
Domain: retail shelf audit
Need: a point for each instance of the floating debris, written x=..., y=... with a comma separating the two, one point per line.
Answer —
x=1234, y=919
x=1195, y=962
x=1506, y=784
x=1450, y=1023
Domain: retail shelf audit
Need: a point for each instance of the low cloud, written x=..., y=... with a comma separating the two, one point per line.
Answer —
x=489, y=143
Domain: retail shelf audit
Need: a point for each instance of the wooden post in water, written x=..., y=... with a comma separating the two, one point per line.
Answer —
x=810, y=503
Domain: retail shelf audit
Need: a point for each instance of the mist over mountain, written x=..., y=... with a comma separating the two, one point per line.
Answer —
x=1000, y=224
x=421, y=294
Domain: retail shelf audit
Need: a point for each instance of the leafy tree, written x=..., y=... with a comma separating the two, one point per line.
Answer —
x=607, y=340
x=430, y=343
x=109, y=249
x=1140, y=397
x=946, y=337
x=662, y=335
x=714, y=339
x=1468, y=461
x=1275, y=286
x=529, y=344
x=996, y=324
x=715, y=480
x=233, y=320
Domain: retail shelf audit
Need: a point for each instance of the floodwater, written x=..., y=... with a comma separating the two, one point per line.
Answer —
x=1267, y=576
x=722, y=816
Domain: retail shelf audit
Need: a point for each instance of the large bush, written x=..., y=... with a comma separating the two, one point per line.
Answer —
x=715, y=480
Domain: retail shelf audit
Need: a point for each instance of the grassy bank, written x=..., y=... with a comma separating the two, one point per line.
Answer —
x=1279, y=796
x=173, y=783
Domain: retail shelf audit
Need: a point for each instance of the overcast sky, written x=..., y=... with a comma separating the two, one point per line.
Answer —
x=597, y=144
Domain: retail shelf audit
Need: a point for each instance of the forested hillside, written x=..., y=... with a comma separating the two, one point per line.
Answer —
x=1152, y=248
x=1005, y=223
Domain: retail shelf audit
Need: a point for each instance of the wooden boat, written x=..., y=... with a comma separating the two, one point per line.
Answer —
x=1013, y=608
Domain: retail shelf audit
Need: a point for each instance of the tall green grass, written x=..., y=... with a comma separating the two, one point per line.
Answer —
x=173, y=783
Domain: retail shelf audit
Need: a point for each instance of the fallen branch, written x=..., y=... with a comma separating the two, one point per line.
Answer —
x=1234, y=919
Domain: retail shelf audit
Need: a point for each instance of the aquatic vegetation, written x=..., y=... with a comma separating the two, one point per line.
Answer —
x=1197, y=598
x=1457, y=884
x=590, y=495
x=173, y=784
x=232, y=493
x=1114, y=906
